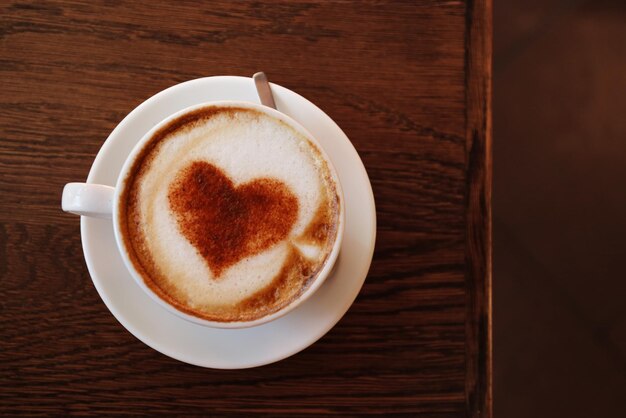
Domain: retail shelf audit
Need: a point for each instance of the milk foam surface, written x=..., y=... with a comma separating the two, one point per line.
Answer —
x=246, y=145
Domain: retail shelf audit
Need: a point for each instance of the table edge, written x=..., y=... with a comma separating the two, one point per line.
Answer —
x=478, y=234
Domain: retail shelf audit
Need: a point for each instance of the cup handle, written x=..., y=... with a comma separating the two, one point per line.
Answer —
x=95, y=200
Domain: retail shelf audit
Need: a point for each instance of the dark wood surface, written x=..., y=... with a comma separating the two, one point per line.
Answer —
x=409, y=83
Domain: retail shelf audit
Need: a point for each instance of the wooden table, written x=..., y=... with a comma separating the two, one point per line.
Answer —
x=409, y=83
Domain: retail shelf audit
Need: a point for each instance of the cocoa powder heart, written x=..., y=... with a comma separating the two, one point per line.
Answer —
x=227, y=223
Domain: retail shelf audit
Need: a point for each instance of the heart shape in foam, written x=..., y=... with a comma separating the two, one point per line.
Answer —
x=226, y=223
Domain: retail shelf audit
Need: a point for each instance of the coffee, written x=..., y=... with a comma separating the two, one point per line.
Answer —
x=228, y=214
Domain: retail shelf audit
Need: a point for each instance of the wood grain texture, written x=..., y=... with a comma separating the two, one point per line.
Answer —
x=409, y=84
x=478, y=128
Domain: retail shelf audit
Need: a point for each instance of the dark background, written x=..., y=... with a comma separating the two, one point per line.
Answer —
x=559, y=208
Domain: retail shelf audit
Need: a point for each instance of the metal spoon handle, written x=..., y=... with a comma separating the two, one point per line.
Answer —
x=263, y=89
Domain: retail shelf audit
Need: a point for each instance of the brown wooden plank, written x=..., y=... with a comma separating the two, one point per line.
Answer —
x=478, y=239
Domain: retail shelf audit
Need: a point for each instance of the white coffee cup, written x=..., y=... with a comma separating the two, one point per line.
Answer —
x=102, y=201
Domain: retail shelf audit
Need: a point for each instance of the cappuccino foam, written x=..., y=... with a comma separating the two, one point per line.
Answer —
x=228, y=214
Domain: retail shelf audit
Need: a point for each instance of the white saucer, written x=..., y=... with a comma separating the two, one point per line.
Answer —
x=231, y=348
